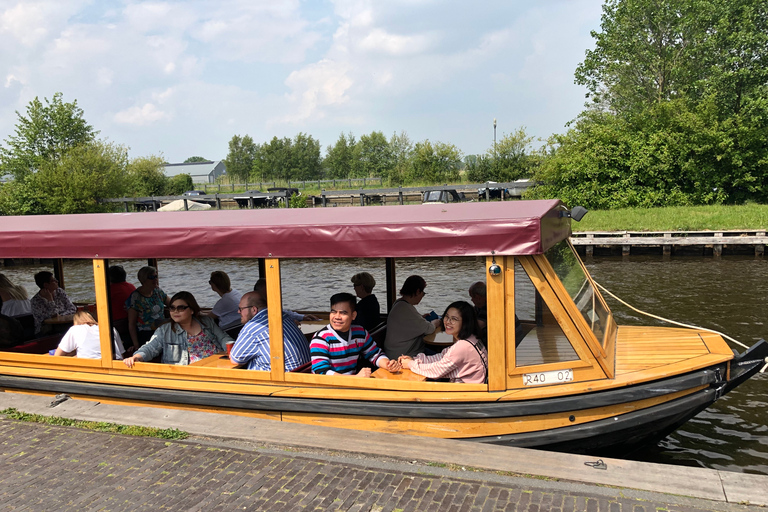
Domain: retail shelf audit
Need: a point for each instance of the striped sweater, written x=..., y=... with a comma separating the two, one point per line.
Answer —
x=332, y=354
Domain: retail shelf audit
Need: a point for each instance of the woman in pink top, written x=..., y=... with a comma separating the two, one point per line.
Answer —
x=464, y=361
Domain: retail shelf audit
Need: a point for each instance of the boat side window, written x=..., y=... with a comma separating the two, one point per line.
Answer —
x=568, y=267
x=538, y=337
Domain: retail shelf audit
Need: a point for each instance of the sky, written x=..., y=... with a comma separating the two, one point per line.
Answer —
x=179, y=79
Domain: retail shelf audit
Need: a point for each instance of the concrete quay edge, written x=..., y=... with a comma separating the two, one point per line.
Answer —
x=699, y=483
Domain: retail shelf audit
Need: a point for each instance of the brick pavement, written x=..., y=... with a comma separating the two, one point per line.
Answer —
x=58, y=468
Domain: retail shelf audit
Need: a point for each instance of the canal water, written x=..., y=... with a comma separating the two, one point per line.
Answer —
x=728, y=294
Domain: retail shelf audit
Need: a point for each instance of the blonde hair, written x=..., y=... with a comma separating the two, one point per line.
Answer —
x=83, y=318
x=365, y=279
x=15, y=291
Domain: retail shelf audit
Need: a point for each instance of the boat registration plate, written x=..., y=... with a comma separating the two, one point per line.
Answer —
x=554, y=377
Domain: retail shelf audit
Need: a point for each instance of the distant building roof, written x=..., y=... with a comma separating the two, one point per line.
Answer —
x=201, y=172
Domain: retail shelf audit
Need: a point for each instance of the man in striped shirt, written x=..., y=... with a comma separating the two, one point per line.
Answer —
x=252, y=344
x=336, y=348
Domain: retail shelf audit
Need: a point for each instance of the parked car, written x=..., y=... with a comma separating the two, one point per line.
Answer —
x=279, y=199
x=261, y=201
x=442, y=196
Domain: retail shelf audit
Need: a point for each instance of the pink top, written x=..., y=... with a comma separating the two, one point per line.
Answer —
x=460, y=363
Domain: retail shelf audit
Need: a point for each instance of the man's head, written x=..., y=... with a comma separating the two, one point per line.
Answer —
x=250, y=304
x=261, y=288
x=342, y=311
x=477, y=294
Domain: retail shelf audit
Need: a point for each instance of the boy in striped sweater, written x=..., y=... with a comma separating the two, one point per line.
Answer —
x=336, y=348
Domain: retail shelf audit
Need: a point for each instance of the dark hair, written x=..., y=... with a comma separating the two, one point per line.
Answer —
x=191, y=302
x=468, y=318
x=220, y=280
x=344, y=297
x=412, y=286
x=42, y=278
x=116, y=274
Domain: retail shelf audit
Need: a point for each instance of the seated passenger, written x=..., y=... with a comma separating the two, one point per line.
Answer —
x=82, y=339
x=261, y=288
x=406, y=328
x=188, y=337
x=11, y=332
x=336, y=348
x=119, y=291
x=146, y=307
x=464, y=361
x=50, y=301
x=225, y=308
x=252, y=344
x=14, y=300
x=368, y=310
x=477, y=293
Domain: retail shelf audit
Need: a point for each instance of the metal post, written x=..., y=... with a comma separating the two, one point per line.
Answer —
x=186, y=207
x=400, y=194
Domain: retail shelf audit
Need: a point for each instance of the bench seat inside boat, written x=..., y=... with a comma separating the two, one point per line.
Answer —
x=38, y=345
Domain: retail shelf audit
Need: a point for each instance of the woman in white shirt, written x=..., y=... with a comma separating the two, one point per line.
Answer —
x=82, y=339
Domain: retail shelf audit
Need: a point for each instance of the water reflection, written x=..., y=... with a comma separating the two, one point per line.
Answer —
x=729, y=294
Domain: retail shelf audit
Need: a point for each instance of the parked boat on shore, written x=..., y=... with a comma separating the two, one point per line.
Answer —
x=567, y=378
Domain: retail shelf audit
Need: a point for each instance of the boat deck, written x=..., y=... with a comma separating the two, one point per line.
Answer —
x=645, y=348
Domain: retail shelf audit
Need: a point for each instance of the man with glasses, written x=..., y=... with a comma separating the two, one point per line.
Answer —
x=252, y=344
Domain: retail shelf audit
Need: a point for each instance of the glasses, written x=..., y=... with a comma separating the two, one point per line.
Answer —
x=152, y=277
x=451, y=319
x=173, y=309
x=239, y=309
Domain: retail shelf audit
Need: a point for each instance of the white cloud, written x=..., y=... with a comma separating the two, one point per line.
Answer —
x=316, y=86
x=141, y=116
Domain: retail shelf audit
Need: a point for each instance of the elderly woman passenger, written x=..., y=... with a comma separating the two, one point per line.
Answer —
x=50, y=301
x=188, y=337
x=146, y=307
x=464, y=361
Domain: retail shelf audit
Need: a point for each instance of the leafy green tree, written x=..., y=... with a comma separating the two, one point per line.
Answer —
x=340, y=159
x=145, y=177
x=76, y=182
x=20, y=197
x=177, y=185
x=402, y=151
x=375, y=156
x=306, y=162
x=273, y=160
x=44, y=134
x=435, y=162
x=195, y=159
x=241, y=156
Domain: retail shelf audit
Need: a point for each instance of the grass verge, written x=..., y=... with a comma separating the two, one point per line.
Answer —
x=98, y=426
x=676, y=218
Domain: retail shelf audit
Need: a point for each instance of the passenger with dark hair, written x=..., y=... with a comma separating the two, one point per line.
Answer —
x=336, y=348
x=146, y=307
x=464, y=361
x=50, y=301
x=368, y=309
x=119, y=291
x=187, y=338
x=225, y=308
x=406, y=328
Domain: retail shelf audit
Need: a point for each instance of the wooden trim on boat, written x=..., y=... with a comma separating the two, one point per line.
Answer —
x=102, y=312
x=275, y=318
x=509, y=304
x=496, y=321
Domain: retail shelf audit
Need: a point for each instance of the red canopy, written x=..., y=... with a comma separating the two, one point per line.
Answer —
x=461, y=229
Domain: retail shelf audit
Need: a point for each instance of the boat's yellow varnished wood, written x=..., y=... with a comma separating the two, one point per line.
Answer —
x=497, y=364
x=275, y=318
x=466, y=428
x=46, y=361
x=509, y=327
x=331, y=383
x=102, y=312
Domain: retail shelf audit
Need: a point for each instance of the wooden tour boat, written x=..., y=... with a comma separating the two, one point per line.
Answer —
x=568, y=378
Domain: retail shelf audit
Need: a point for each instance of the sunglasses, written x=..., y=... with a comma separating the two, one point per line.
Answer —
x=177, y=308
x=152, y=277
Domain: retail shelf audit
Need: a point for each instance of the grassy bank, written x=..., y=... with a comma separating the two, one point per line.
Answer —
x=676, y=218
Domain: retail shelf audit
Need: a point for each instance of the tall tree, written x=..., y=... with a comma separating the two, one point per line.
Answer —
x=375, y=154
x=239, y=161
x=44, y=134
x=340, y=158
x=436, y=162
x=401, y=149
x=306, y=162
x=145, y=177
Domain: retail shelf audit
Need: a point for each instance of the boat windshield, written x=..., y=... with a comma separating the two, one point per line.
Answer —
x=579, y=286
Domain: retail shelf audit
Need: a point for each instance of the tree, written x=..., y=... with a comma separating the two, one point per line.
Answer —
x=509, y=160
x=434, y=163
x=375, y=156
x=239, y=161
x=177, y=185
x=306, y=163
x=340, y=158
x=195, y=159
x=401, y=149
x=43, y=135
x=76, y=182
x=145, y=177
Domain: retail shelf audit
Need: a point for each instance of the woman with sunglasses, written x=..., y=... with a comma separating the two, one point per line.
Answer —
x=146, y=307
x=188, y=337
x=464, y=361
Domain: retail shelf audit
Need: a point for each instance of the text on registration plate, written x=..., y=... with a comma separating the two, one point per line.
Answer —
x=537, y=379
